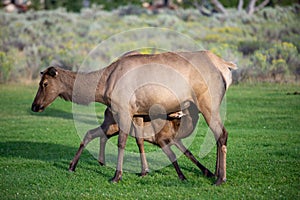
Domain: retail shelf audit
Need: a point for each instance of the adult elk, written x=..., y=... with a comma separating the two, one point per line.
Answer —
x=172, y=132
x=202, y=78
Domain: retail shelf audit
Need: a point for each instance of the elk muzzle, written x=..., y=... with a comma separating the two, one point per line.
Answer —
x=37, y=108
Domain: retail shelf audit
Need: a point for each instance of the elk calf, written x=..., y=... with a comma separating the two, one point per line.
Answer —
x=170, y=134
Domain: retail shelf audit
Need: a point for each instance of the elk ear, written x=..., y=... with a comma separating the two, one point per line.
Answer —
x=52, y=71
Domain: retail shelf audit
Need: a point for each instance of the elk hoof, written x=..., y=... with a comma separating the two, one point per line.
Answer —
x=101, y=163
x=71, y=170
x=117, y=177
x=72, y=167
x=144, y=172
x=220, y=181
x=182, y=177
x=208, y=174
x=115, y=180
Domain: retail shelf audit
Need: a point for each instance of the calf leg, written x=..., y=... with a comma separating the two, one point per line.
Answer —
x=103, y=141
x=139, y=136
x=89, y=136
x=101, y=158
x=188, y=154
x=145, y=168
x=172, y=157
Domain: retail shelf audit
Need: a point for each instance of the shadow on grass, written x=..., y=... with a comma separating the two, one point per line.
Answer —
x=57, y=155
x=60, y=156
x=42, y=151
x=36, y=150
x=52, y=112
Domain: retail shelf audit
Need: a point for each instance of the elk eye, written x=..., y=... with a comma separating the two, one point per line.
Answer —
x=45, y=84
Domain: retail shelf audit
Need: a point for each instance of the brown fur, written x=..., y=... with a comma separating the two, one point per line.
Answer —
x=207, y=77
x=170, y=134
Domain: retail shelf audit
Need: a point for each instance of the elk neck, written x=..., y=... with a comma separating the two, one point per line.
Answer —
x=82, y=88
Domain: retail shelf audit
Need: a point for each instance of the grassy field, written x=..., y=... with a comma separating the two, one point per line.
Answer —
x=263, y=152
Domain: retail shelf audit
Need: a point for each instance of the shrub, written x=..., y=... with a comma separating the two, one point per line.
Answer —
x=6, y=65
x=249, y=47
x=258, y=44
x=226, y=51
x=279, y=60
x=33, y=64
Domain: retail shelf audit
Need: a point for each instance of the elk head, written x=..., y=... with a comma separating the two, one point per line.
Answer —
x=49, y=90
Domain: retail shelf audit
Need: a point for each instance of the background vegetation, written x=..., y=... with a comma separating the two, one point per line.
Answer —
x=265, y=46
x=76, y=5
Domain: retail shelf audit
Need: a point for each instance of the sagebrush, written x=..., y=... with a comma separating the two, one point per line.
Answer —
x=265, y=46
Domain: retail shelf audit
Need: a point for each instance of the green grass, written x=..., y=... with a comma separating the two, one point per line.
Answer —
x=263, y=152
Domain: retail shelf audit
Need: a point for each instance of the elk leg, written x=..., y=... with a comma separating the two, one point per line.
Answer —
x=217, y=161
x=172, y=157
x=145, y=168
x=188, y=154
x=121, y=149
x=221, y=138
x=103, y=140
x=139, y=136
x=221, y=157
x=110, y=129
x=101, y=158
x=213, y=119
x=89, y=136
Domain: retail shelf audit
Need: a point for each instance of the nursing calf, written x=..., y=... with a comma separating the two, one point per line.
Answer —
x=171, y=130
